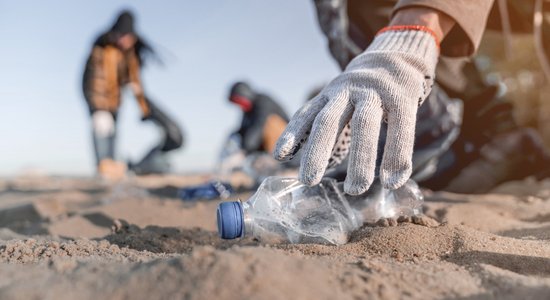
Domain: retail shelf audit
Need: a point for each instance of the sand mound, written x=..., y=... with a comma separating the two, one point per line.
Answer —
x=32, y=251
x=201, y=275
x=74, y=239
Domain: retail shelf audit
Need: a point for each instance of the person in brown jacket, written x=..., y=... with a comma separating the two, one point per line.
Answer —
x=394, y=107
x=115, y=62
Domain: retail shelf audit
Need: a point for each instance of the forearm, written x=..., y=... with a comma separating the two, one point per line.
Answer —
x=143, y=104
x=440, y=23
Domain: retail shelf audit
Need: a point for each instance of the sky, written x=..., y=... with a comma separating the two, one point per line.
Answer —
x=205, y=45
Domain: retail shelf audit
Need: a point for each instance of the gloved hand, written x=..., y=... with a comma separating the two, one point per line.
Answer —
x=103, y=124
x=388, y=81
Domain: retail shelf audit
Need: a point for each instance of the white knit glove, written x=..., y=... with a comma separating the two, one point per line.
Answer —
x=388, y=81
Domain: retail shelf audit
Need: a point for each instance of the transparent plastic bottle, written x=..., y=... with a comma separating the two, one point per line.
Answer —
x=285, y=210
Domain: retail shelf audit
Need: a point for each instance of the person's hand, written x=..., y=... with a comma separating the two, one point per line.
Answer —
x=103, y=123
x=387, y=81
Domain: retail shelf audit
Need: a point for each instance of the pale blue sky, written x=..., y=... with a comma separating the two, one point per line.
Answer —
x=206, y=45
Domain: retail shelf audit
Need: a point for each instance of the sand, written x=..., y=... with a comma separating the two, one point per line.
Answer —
x=68, y=238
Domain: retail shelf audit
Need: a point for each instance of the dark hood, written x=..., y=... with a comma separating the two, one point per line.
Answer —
x=124, y=23
x=242, y=89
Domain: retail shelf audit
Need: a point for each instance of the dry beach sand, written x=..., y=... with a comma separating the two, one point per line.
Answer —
x=71, y=238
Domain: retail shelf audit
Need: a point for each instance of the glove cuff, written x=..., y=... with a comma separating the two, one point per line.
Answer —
x=408, y=39
x=411, y=27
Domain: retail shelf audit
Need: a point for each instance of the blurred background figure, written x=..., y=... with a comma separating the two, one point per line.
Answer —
x=246, y=158
x=115, y=62
x=263, y=119
x=250, y=148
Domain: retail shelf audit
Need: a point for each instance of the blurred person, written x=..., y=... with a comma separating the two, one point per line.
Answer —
x=408, y=101
x=250, y=148
x=114, y=63
x=263, y=119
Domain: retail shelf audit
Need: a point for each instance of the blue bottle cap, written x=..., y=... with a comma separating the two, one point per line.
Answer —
x=230, y=220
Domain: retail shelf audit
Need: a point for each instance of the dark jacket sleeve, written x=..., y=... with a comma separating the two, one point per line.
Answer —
x=87, y=82
x=470, y=16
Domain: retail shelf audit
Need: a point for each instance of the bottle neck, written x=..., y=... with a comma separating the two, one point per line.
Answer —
x=248, y=223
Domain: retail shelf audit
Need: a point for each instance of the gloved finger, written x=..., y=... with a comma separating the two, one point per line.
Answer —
x=365, y=129
x=397, y=160
x=329, y=122
x=297, y=130
x=341, y=147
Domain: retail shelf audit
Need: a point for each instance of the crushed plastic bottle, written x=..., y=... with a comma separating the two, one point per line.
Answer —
x=285, y=210
x=380, y=203
x=207, y=191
